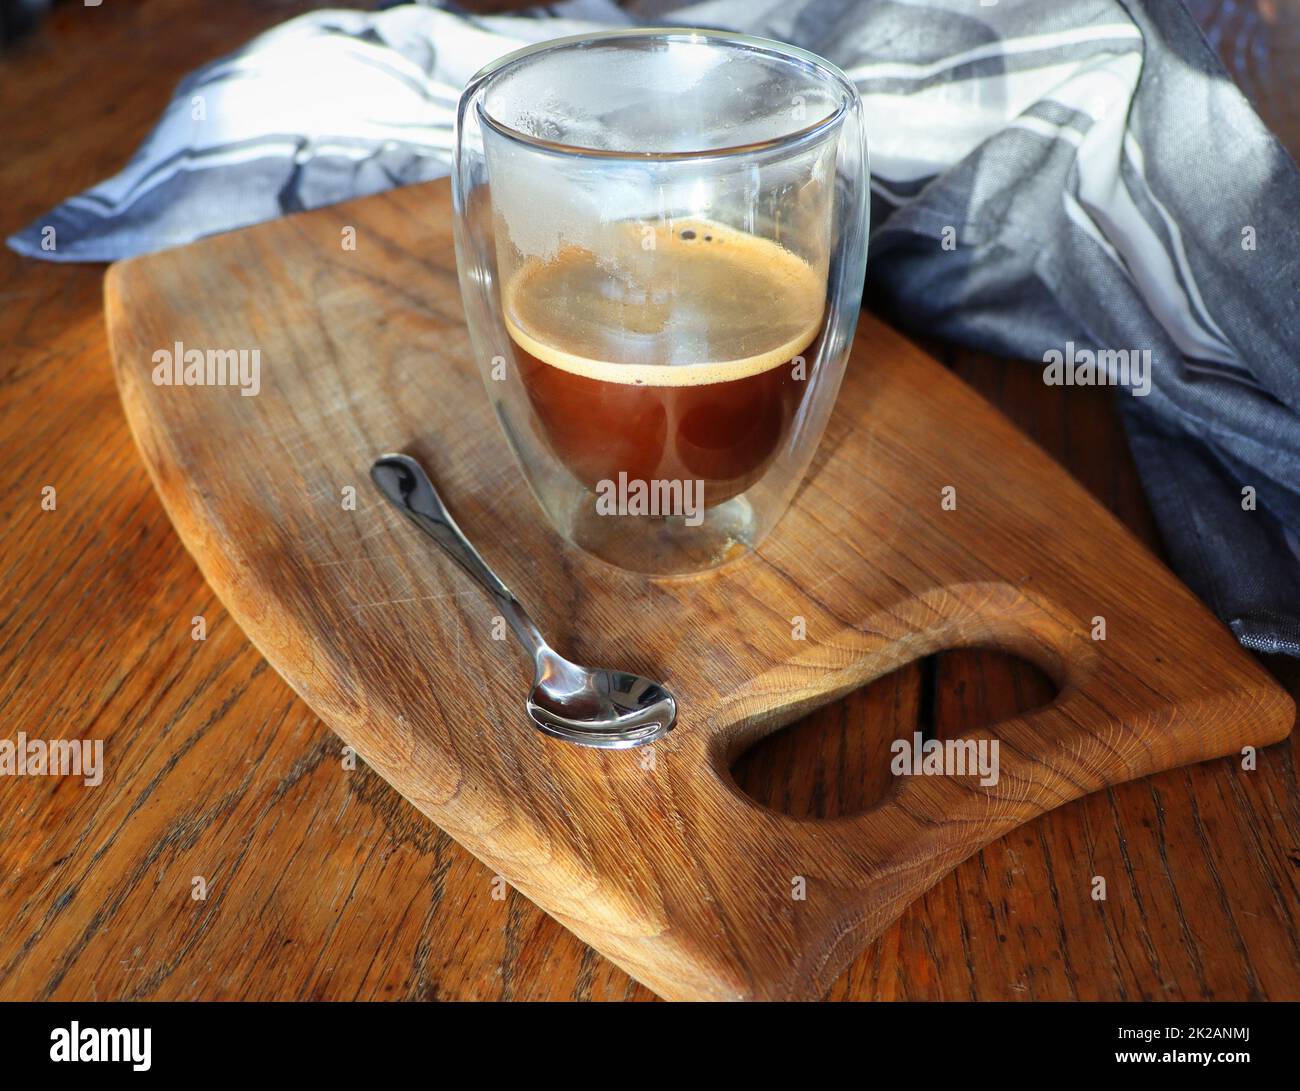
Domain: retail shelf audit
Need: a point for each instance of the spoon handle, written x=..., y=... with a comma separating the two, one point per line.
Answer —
x=403, y=481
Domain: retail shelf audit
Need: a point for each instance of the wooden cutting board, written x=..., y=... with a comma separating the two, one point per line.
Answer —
x=654, y=857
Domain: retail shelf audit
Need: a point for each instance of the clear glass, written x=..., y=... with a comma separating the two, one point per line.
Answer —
x=661, y=238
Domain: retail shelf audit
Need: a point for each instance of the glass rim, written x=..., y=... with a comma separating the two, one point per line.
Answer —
x=782, y=50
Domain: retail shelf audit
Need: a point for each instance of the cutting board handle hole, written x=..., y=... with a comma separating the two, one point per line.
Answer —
x=836, y=762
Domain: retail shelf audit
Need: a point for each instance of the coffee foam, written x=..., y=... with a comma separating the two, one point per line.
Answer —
x=721, y=304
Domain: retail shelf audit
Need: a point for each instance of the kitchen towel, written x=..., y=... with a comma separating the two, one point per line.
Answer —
x=1077, y=183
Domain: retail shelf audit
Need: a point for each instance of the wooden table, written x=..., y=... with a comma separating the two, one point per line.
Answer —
x=320, y=881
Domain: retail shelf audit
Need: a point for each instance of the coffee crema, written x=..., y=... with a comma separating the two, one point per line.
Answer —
x=668, y=355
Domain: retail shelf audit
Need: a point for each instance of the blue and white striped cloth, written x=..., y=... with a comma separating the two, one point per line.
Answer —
x=1080, y=172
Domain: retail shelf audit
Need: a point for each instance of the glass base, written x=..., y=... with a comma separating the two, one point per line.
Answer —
x=665, y=545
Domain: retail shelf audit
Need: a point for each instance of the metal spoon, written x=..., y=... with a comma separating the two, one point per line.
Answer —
x=610, y=709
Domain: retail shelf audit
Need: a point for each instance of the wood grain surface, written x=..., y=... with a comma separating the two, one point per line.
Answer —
x=325, y=883
x=654, y=857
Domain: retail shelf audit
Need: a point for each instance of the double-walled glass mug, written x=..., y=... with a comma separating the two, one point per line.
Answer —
x=661, y=238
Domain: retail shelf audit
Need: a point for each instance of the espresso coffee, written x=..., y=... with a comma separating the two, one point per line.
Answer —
x=674, y=354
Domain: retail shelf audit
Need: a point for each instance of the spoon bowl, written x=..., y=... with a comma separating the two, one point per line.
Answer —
x=599, y=707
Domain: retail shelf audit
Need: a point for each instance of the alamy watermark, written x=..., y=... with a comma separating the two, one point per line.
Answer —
x=922, y=757
x=26, y=757
x=116, y=1045
x=179, y=366
x=1106, y=367
x=638, y=497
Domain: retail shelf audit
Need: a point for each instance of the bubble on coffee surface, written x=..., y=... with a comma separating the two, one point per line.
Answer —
x=665, y=307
